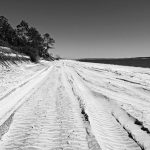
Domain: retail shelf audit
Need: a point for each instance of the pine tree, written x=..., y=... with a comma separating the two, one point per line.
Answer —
x=7, y=33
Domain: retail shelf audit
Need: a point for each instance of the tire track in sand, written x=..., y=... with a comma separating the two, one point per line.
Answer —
x=48, y=120
x=108, y=132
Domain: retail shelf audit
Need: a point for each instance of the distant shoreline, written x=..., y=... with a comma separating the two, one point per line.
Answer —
x=136, y=61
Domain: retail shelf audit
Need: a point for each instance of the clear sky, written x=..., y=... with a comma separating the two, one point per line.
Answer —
x=87, y=28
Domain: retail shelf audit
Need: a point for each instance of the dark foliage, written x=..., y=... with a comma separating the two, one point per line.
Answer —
x=25, y=39
x=4, y=43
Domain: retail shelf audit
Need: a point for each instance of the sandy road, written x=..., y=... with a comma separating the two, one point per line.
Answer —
x=76, y=109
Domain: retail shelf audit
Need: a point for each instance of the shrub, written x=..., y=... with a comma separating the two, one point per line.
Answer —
x=4, y=43
x=29, y=51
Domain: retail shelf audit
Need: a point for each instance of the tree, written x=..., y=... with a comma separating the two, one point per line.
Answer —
x=35, y=41
x=22, y=32
x=34, y=38
x=25, y=39
x=3, y=27
x=48, y=41
x=22, y=29
x=7, y=33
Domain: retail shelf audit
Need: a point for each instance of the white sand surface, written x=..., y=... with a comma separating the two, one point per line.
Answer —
x=83, y=106
x=14, y=75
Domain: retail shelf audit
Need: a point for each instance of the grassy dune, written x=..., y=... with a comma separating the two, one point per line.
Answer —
x=9, y=56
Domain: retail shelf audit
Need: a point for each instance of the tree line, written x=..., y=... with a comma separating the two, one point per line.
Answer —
x=25, y=39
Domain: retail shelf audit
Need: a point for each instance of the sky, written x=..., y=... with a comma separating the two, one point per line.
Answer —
x=87, y=28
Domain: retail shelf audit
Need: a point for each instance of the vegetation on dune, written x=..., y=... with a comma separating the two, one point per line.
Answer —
x=9, y=56
x=25, y=39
